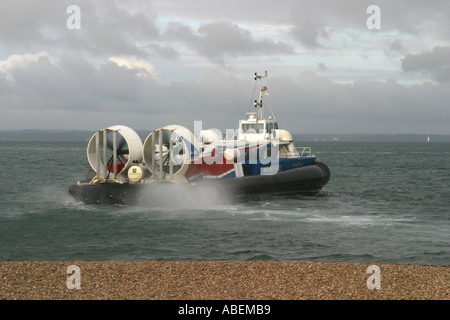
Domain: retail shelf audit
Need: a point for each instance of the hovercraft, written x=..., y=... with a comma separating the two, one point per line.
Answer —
x=257, y=159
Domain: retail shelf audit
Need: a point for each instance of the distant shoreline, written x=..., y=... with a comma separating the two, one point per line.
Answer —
x=83, y=135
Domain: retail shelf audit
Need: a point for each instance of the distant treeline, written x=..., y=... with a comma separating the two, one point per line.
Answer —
x=80, y=135
x=53, y=135
x=371, y=137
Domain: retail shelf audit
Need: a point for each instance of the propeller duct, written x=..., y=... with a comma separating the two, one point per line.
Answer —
x=112, y=151
x=168, y=152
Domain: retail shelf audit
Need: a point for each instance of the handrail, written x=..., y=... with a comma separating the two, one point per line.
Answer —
x=304, y=151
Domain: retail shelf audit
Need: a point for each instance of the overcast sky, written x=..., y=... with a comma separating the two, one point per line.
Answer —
x=147, y=64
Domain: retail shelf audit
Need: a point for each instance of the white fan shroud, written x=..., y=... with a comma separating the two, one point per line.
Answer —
x=184, y=153
x=96, y=152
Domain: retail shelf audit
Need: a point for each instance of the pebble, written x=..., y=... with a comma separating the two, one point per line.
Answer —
x=219, y=280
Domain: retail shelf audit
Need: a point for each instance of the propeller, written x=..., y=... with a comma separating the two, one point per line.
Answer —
x=166, y=138
x=121, y=144
x=121, y=148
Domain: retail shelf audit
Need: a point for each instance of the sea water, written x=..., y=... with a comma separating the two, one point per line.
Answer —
x=386, y=202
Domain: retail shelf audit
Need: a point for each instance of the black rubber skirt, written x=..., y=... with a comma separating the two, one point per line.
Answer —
x=307, y=180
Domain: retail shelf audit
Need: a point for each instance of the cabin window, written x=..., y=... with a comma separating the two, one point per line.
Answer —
x=271, y=126
x=252, y=127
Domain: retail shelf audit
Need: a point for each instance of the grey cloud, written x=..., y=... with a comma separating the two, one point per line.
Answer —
x=396, y=45
x=5, y=88
x=308, y=24
x=315, y=21
x=73, y=86
x=322, y=66
x=74, y=89
x=21, y=21
x=319, y=104
x=307, y=33
x=131, y=28
x=410, y=16
x=106, y=27
x=435, y=63
x=310, y=19
x=110, y=28
x=163, y=51
x=250, y=11
x=218, y=39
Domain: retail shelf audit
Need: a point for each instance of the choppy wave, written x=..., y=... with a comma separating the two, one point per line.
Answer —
x=381, y=205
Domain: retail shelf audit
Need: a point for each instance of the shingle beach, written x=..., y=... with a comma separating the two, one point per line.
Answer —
x=256, y=280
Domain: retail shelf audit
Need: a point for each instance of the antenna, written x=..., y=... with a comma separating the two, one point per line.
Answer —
x=261, y=90
x=260, y=77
